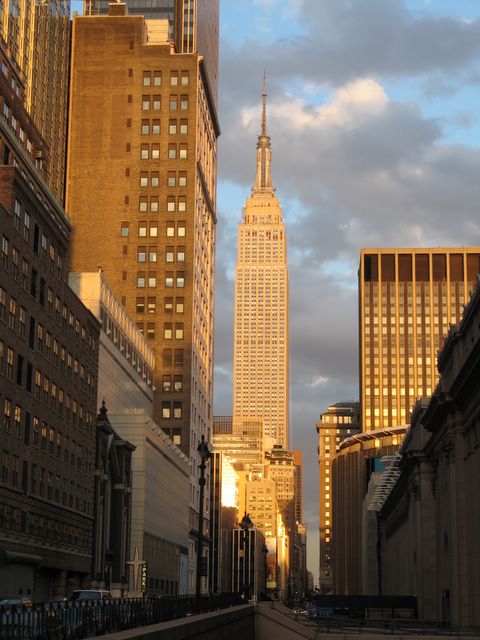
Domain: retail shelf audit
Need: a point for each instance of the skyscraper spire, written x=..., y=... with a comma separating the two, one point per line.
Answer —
x=263, y=179
x=264, y=105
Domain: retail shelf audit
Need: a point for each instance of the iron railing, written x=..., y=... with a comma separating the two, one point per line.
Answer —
x=87, y=618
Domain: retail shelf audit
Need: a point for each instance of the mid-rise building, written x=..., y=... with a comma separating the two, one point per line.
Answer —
x=260, y=366
x=141, y=189
x=48, y=374
x=407, y=299
x=340, y=421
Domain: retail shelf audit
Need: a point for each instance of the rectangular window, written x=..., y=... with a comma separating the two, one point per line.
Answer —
x=150, y=330
x=169, y=279
x=124, y=229
x=166, y=410
x=169, y=254
x=142, y=254
x=156, y=127
x=178, y=358
x=141, y=280
x=145, y=127
x=181, y=231
x=167, y=357
x=143, y=204
x=166, y=383
x=173, y=103
x=157, y=78
x=151, y=305
x=152, y=280
x=142, y=229
x=182, y=203
x=140, y=305
x=184, y=78
x=155, y=151
x=154, y=179
x=168, y=305
x=171, y=179
x=184, y=103
x=170, y=231
x=153, y=229
x=147, y=78
x=172, y=151
x=180, y=282
x=144, y=151
x=167, y=331
x=179, y=331
x=182, y=179
x=156, y=103
x=154, y=204
x=183, y=126
x=152, y=254
x=171, y=203
x=178, y=383
x=177, y=410
x=183, y=151
x=145, y=103
x=172, y=126
x=179, y=305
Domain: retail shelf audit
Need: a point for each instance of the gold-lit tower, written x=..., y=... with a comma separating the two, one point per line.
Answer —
x=260, y=372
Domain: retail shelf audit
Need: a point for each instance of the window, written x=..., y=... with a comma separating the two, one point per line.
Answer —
x=12, y=313
x=184, y=102
x=182, y=203
x=145, y=127
x=157, y=78
x=177, y=410
x=142, y=254
x=179, y=305
x=152, y=254
x=172, y=151
x=173, y=103
x=184, y=78
x=174, y=78
x=169, y=254
x=171, y=179
x=166, y=410
x=169, y=279
x=183, y=151
x=140, y=305
x=166, y=383
x=16, y=215
x=153, y=230
x=145, y=103
x=156, y=127
x=183, y=126
x=22, y=319
x=4, y=251
x=171, y=203
x=144, y=151
x=142, y=229
x=10, y=361
x=154, y=204
x=143, y=204
x=180, y=254
x=178, y=383
x=141, y=280
x=156, y=103
x=154, y=181
x=179, y=331
x=124, y=229
x=147, y=78
x=168, y=305
x=155, y=151
x=151, y=305
x=170, y=232
x=180, y=279
x=167, y=357
x=150, y=330
x=178, y=358
x=152, y=280
x=7, y=414
x=167, y=331
x=26, y=226
x=181, y=229
x=3, y=303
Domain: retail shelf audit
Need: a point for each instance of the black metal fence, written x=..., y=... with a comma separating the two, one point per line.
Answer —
x=87, y=618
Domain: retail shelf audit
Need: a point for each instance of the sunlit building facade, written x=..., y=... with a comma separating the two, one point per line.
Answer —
x=37, y=35
x=141, y=192
x=260, y=370
x=340, y=421
x=408, y=298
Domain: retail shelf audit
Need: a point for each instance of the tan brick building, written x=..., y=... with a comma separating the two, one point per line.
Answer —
x=141, y=188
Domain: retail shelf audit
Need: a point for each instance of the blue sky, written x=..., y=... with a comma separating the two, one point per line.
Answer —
x=373, y=115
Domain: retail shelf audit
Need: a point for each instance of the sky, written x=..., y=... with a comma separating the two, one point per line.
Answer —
x=375, y=128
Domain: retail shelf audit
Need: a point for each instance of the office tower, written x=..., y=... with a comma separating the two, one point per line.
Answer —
x=192, y=26
x=408, y=298
x=37, y=35
x=141, y=188
x=260, y=369
x=298, y=486
x=48, y=372
x=340, y=421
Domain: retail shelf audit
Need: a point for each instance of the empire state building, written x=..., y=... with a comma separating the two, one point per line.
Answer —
x=260, y=371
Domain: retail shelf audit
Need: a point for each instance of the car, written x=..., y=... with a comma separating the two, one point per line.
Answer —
x=90, y=594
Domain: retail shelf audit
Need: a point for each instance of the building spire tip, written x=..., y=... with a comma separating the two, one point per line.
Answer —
x=264, y=105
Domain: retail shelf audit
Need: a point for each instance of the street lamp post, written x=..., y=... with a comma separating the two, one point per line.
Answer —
x=205, y=455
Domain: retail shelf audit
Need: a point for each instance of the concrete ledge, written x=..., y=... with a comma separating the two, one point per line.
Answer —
x=232, y=624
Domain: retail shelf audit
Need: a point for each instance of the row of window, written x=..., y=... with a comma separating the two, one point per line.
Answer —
x=153, y=126
x=152, y=151
x=175, y=101
x=174, y=178
x=150, y=229
x=150, y=279
x=151, y=203
x=150, y=254
x=154, y=78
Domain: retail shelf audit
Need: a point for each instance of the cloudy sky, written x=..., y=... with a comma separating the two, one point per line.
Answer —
x=373, y=115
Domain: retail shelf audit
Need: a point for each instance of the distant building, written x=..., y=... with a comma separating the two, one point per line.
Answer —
x=260, y=365
x=407, y=300
x=358, y=458
x=159, y=485
x=429, y=521
x=340, y=421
